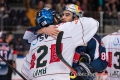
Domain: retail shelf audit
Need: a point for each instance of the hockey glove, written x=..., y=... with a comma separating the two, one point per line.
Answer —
x=84, y=71
x=85, y=58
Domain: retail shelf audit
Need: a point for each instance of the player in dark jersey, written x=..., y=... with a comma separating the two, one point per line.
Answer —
x=6, y=53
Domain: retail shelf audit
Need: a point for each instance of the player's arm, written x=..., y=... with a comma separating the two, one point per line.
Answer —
x=101, y=60
x=32, y=33
x=98, y=54
x=87, y=57
x=83, y=30
x=12, y=57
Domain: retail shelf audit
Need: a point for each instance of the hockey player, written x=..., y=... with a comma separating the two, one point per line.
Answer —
x=95, y=52
x=42, y=63
x=112, y=45
x=93, y=48
x=8, y=38
x=7, y=53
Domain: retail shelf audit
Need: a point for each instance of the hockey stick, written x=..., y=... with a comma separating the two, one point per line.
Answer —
x=13, y=68
x=58, y=52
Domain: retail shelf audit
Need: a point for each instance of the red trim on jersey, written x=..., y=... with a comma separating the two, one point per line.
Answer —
x=109, y=59
x=15, y=52
x=76, y=57
x=82, y=32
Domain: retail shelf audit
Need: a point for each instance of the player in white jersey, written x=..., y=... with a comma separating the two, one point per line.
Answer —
x=112, y=45
x=41, y=63
x=72, y=12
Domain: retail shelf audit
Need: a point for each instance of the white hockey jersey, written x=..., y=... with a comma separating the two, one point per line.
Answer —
x=42, y=63
x=112, y=45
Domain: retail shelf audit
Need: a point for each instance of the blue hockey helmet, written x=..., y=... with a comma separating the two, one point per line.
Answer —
x=45, y=17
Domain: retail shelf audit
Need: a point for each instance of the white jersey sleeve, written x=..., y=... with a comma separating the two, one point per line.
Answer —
x=112, y=45
x=81, y=30
x=42, y=62
x=25, y=67
x=29, y=36
x=87, y=28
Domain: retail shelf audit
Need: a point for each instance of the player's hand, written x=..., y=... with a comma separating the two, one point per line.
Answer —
x=84, y=71
x=85, y=58
x=51, y=31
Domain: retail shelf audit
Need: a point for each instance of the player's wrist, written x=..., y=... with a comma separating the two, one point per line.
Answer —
x=41, y=31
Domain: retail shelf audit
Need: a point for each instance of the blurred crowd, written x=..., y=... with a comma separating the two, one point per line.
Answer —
x=11, y=18
x=26, y=17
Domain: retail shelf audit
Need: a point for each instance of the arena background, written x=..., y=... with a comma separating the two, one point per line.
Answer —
x=18, y=15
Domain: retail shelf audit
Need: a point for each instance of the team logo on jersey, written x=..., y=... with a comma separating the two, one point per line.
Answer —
x=116, y=42
x=42, y=37
x=35, y=42
x=54, y=57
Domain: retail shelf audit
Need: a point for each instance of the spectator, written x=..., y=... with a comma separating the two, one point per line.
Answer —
x=30, y=12
x=112, y=7
x=85, y=7
x=49, y=3
x=60, y=5
x=78, y=3
x=4, y=9
x=13, y=18
x=33, y=3
x=94, y=4
x=40, y=4
x=19, y=47
x=4, y=6
x=8, y=39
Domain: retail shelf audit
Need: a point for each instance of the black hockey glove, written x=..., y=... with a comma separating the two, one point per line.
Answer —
x=85, y=71
x=85, y=58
